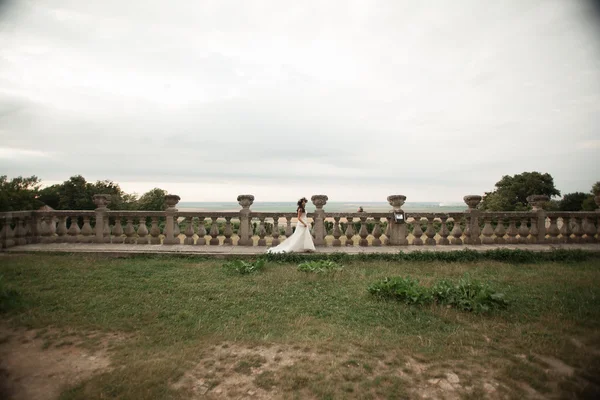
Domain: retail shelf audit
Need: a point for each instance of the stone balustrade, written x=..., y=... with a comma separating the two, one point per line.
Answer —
x=249, y=228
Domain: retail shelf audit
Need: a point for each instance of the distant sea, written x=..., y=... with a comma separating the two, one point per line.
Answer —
x=330, y=206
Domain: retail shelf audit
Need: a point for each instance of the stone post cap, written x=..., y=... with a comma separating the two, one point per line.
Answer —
x=101, y=200
x=319, y=200
x=171, y=200
x=472, y=200
x=537, y=200
x=396, y=200
x=245, y=200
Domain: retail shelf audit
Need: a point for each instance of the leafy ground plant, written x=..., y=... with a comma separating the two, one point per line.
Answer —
x=244, y=267
x=466, y=295
x=320, y=267
x=406, y=290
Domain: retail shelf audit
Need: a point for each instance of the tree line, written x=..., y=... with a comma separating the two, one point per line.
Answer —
x=510, y=194
x=73, y=194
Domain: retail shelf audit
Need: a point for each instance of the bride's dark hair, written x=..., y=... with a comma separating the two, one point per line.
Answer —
x=300, y=202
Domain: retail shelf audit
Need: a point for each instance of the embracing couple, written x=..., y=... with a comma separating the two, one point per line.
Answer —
x=301, y=240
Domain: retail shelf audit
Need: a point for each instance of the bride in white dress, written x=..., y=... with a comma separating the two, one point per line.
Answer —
x=301, y=240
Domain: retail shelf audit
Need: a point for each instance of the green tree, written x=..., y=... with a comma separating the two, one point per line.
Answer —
x=50, y=196
x=153, y=200
x=75, y=194
x=512, y=191
x=573, y=201
x=596, y=188
x=19, y=193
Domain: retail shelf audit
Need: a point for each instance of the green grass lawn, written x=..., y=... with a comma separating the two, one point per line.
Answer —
x=190, y=327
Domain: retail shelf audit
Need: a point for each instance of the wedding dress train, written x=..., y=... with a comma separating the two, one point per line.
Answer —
x=300, y=241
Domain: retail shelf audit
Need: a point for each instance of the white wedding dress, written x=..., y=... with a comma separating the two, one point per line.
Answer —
x=300, y=241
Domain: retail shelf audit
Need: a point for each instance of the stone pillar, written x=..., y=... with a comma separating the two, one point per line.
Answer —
x=398, y=232
x=245, y=200
x=472, y=213
x=537, y=203
x=101, y=201
x=319, y=200
x=171, y=200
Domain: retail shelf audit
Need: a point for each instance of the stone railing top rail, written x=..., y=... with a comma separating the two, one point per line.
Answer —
x=272, y=214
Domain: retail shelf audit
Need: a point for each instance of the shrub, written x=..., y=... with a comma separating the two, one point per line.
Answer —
x=244, y=267
x=320, y=267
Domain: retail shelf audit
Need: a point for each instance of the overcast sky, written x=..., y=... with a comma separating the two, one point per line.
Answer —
x=281, y=99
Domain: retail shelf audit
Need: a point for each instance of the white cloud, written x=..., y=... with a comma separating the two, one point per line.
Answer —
x=354, y=99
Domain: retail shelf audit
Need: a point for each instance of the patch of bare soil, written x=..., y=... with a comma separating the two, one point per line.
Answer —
x=232, y=371
x=32, y=367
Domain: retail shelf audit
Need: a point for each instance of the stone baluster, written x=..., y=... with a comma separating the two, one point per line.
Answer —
x=349, y=232
x=523, y=231
x=117, y=232
x=189, y=231
x=577, y=230
x=214, y=231
x=61, y=230
x=275, y=232
x=397, y=231
x=456, y=231
x=45, y=230
x=87, y=232
x=171, y=201
x=417, y=232
x=472, y=202
x=154, y=231
x=52, y=229
x=467, y=230
x=2, y=232
x=565, y=230
x=7, y=234
x=101, y=201
x=262, y=232
x=499, y=232
x=228, y=232
x=288, y=227
x=487, y=231
x=363, y=232
x=553, y=230
x=512, y=231
x=589, y=229
x=129, y=231
x=20, y=232
x=376, y=233
x=32, y=226
x=430, y=232
x=142, y=231
x=537, y=203
x=319, y=200
x=74, y=230
x=201, y=232
x=245, y=232
x=534, y=231
x=337, y=233
x=444, y=233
